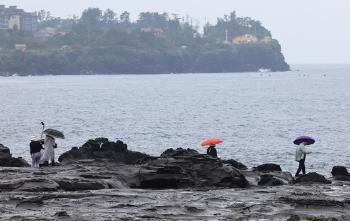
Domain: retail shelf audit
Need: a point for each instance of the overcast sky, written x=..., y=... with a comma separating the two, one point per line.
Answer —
x=310, y=31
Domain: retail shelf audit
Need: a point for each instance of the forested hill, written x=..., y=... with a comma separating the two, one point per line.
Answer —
x=100, y=42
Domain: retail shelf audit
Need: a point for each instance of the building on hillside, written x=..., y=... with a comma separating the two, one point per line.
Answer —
x=12, y=18
x=158, y=32
x=45, y=33
x=21, y=47
x=245, y=39
x=266, y=40
x=14, y=22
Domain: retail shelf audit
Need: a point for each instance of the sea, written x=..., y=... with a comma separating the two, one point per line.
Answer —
x=258, y=115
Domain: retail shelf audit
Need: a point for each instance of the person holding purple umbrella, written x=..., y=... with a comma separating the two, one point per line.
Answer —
x=301, y=151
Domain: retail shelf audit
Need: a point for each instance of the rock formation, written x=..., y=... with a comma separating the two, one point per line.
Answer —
x=104, y=180
x=186, y=168
x=6, y=159
x=340, y=173
x=102, y=148
x=312, y=178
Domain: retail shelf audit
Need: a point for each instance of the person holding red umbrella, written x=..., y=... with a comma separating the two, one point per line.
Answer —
x=300, y=153
x=211, y=151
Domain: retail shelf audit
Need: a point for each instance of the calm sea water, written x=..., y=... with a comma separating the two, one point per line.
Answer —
x=256, y=114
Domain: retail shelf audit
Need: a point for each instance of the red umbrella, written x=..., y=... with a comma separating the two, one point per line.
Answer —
x=211, y=141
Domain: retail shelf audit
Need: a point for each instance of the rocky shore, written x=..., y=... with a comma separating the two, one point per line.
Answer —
x=103, y=180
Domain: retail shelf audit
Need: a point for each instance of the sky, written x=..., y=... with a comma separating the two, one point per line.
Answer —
x=310, y=31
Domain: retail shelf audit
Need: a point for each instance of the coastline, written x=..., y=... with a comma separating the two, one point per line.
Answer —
x=15, y=74
x=104, y=180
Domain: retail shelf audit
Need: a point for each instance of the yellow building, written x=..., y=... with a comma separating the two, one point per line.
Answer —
x=245, y=39
x=14, y=22
x=266, y=40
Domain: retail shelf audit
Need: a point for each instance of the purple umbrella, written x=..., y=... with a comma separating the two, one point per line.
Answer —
x=308, y=140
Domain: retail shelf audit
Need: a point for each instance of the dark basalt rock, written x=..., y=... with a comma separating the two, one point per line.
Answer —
x=235, y=164
x=268, y=167
x=38, y=185
x=312, y=178
x=321, y=218
x=270, y=180
x=102, y=148
x=294, y=218
x=179, y=152
x=315, y=200
x=80, y=184
x=4, y=152
x=6, y=159
x=189, y=172
x=340, y=173
x=61, y=214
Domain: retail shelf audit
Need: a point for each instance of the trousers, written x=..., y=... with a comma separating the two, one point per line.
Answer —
x=36, y=159
x=301, y=167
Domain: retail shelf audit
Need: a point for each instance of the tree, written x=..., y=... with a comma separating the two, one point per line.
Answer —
x=43, y=15
x=125, y=17
x=109, y=17
x=233, y=16
x=91, y=16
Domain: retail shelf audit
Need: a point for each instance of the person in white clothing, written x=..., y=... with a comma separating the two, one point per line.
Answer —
x=49, y=152
x=300, y=155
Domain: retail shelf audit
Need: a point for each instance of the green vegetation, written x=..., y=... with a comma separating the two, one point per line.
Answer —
x=104, y=43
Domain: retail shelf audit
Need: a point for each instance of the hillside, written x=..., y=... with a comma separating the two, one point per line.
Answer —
x=103, y=43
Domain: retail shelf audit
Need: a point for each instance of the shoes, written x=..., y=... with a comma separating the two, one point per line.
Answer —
x=45, y=164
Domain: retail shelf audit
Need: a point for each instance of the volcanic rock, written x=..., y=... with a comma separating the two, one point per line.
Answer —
x=189, y=171
x=38, y=185
x=102, y=148
x=340, y=171
x=269, y=167
x=294, y=218
x=312, y=178
x=80, y=184
x=6, y=159
x=179, y=152
x=274, y=178
x=270, y=180
x=235, y=164
x=61, y=214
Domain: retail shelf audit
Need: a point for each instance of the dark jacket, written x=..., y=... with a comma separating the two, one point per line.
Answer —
x=212, y=152
x=35, y=147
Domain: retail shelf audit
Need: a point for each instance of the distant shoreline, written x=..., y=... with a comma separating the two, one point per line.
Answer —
x=134, y=74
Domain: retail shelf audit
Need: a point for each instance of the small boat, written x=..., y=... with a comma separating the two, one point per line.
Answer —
x=264, y=70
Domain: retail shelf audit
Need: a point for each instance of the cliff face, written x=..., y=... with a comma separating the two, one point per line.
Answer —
x=242, y=58
x=122, y=60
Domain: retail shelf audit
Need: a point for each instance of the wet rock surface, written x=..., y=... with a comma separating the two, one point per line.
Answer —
x=269, y=167
x=6, y=159
x=340, y=173
x=268, y=175
x=179, y=185
x=102, y=148
x=179, y=152
x=261, y=203
x=185, y=171
x=235, y=164
x=312, y=178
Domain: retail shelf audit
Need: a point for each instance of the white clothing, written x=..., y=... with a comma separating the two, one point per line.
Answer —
x=300, y=152
x=49, y=152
